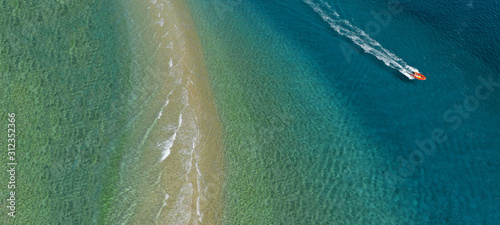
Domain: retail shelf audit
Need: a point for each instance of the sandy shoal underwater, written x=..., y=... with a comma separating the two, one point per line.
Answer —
x=174, y=172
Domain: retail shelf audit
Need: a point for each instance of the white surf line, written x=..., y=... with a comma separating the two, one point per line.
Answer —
x=166, y=103
x=158, y=48
x=161, y=21
x=167, y=145
x=166, y=33
x=170, y=63
x=199, y=176
x=180, y=60
x=150, y=128
x=164, y=201
x=359, y=37
x=163, y=206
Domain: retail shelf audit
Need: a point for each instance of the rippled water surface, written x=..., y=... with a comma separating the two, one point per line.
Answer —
x=319, y=129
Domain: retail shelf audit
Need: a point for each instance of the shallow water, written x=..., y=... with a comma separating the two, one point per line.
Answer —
x=106, y=96
x=316, y=128
x=63, y=75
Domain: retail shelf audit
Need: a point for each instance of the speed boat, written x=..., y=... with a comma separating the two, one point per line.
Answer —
x=418, y=75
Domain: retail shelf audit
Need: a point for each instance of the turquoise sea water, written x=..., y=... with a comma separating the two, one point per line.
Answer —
x=99, y=107
x=89, y=86
x=318, y=131
x=64, y=68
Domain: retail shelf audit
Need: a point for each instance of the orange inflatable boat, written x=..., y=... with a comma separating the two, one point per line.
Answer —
x=418, y=75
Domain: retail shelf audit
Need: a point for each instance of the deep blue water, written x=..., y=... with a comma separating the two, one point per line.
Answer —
x=342, y=144
x=453, y=43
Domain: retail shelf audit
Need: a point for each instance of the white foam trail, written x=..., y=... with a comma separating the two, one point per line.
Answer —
x=163, y=206
x=166, y=198
x=200, y=215
x=161, y=111
x=161, y=21
x=182, y=212
x=167, y=145
x=166, y=103
x=180, y=60
x=180, y=121
x=359, y=37
x=200, y=182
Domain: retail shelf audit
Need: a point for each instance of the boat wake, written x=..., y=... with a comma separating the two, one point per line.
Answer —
x=360, y=38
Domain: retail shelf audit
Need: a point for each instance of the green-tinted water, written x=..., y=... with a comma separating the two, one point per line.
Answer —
x=64, y=73
x=295, y=152
x=314, y=128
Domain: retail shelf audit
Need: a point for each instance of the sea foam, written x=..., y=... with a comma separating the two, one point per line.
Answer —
x=167, y=145
x=360, y=38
